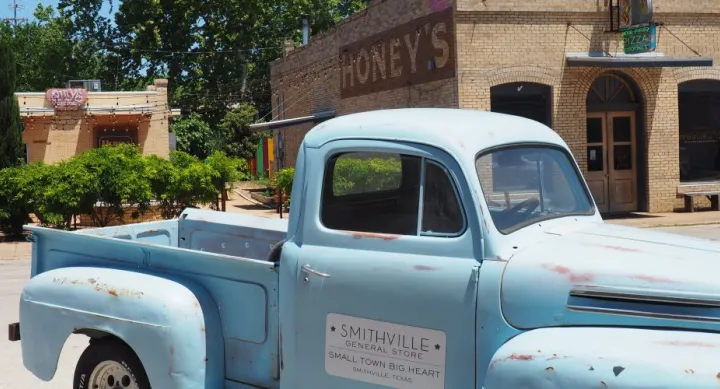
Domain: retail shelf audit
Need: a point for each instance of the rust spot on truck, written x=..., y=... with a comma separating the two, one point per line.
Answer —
x=512, y=357
x=622, y=249
x=373, y=235
x=112, y=292
x=574, y=277
x=520, y=357
x=651, y=279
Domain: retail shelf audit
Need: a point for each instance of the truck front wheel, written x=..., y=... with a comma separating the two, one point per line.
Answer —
x=109, y=364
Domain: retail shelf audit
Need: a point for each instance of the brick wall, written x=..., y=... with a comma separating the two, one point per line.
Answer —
x=309, y=78
x=500, y=42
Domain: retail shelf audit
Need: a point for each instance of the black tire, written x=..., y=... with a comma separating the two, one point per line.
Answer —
x=103, y=352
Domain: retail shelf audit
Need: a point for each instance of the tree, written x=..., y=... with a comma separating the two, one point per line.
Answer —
x=10, y=136
x=195, y=137
x=234, y=129
x=229, y=171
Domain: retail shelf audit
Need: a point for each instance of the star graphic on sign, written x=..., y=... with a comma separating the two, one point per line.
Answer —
x=437, y=347
x=332, y=328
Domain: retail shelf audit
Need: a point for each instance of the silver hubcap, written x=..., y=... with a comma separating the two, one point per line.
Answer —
x=112, y=375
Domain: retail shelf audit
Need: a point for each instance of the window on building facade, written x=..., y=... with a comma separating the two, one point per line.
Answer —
x=381, y=193
x=113, y=135
x=699, y=117
x=525, y=99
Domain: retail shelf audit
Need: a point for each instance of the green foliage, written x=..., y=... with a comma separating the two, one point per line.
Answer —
x=283, y=180
x=69, y=191
x=195, y=137
x=182, y=181
x=119, y=179
x=10, y=136
x=101, y=182
x=13, y=203
x=354, y=175
x=235, y=131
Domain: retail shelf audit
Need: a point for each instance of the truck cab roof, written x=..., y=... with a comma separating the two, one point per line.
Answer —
x=457, y=131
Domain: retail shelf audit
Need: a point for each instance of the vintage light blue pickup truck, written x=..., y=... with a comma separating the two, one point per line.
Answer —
x=425, y=248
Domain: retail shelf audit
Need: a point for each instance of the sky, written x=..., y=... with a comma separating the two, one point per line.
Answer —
x=28, y=7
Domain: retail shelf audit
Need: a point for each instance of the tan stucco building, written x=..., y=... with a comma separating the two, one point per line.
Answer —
x=645, y=128
x=61, y=123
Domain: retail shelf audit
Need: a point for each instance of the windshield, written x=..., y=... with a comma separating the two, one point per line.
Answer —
x=526, y=184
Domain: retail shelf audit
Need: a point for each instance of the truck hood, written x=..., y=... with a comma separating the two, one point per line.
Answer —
x=603, y=274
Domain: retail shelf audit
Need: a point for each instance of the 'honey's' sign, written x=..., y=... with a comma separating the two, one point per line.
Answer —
x=66, y=99
x=414, y=53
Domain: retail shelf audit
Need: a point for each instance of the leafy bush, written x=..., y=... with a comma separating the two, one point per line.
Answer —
x=119, y=179
x=57, y=192
x=102, y=182
x=229, y=170
x=354, y=175
x=283, y=180
x=180, y=182
x=13, y=204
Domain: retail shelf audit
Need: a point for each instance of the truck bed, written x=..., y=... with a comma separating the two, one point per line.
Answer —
x=223, y=253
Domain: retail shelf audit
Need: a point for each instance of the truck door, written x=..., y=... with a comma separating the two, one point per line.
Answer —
x=384, y=280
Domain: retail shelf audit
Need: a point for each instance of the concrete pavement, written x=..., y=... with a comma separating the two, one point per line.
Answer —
x=13, y=375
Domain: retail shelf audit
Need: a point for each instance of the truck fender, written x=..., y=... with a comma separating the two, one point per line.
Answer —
x=172, y=324
x=615, y=358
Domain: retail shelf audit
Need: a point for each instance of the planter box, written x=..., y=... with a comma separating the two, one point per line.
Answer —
x=259, y=196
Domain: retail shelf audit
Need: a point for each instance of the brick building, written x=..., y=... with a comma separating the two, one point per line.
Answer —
x=61, y=123
x=645, y=128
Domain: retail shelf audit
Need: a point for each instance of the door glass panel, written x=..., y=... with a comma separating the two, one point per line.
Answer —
x=622, y=155
x=621, y=129
x=595, y=158
x=594, y=130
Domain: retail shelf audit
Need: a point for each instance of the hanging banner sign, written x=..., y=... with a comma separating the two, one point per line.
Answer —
x=634, y=13
x=66, y=99
x=639, y=39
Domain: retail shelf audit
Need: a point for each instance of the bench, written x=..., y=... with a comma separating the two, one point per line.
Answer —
x=712, y=195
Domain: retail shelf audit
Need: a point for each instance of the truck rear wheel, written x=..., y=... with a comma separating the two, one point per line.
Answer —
x=109, y=365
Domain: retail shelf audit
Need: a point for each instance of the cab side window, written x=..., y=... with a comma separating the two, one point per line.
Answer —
x=381, y=193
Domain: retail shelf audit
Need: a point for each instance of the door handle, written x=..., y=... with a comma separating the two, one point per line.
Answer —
x=306, y=269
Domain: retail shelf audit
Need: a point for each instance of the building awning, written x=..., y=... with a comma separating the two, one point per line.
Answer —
x=275, y=124
x=647, y=60
x=98, y=110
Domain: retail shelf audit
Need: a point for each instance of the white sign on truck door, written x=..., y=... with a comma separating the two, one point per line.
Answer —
x=384, y=353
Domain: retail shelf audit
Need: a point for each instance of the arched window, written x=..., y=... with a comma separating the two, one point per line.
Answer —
x=610, y=92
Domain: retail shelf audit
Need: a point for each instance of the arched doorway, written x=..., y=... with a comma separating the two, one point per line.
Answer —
x=526, y=99
x=613, y=113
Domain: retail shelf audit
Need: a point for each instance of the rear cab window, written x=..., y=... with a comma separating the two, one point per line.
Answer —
x=390, y=193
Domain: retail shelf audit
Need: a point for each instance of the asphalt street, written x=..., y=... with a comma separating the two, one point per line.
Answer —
x=14, y=273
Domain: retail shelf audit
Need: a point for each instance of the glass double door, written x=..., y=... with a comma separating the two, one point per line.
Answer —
x=611, y=161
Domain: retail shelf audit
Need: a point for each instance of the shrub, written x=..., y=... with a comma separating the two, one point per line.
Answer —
x=180, y=182
x=119, y=178
x=229, y=171
x=13, y=205
x=284, y=180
